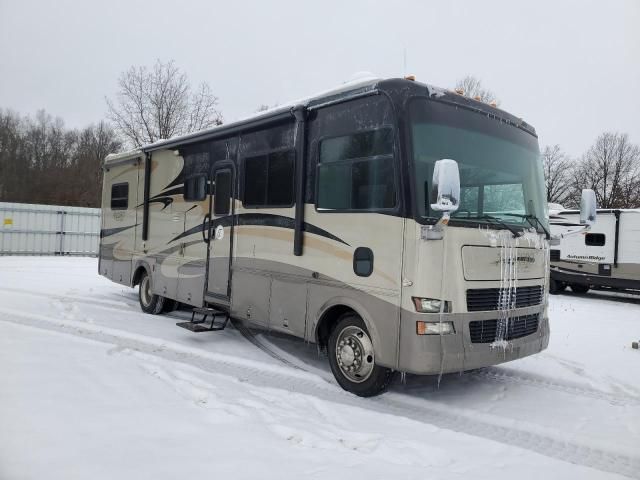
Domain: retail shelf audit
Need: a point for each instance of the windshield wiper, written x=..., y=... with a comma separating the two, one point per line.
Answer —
x=533, y=221
x=497, y=221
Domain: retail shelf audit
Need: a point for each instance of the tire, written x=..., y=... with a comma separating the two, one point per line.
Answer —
x=348, y=342
x=579, y=288
x=170, y=305
x=556, y=287
x=149, y=303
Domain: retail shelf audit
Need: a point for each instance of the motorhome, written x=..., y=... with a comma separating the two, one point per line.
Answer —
x=400, y=226
x=607, y=256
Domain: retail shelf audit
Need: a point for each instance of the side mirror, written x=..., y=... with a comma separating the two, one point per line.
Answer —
x=588, y=207
x=446, y=186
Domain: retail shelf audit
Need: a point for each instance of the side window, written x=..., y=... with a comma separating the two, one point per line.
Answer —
x=269, y=180
x=222, y=197
x=195, y=188
x=119, y=196
x=356, y=172
x=594, y=239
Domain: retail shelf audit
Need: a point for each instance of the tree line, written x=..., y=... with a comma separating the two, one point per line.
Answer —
x=42, y=161
x=611, y=167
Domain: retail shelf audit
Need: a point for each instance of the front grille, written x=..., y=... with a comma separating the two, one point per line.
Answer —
x=554, y=255
x=485, y=331
x=483, y=299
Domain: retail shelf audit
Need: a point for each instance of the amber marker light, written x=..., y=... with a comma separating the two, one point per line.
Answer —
x=434, y=328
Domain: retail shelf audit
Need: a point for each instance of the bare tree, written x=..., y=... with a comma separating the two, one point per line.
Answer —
x=557, y=173
x=94, y=143
x=159, y=103
x=41, y=161
x=611, y=167
x=472, y=87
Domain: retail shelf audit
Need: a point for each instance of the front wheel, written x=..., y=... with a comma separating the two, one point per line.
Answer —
x=579, y=288
x=352, y=358
x=149, y=302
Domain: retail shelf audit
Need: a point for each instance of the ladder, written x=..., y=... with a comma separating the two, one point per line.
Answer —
x=200, y=325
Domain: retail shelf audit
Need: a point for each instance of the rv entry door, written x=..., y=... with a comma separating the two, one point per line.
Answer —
x=220, y=237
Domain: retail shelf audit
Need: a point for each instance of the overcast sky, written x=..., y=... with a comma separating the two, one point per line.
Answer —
x=570, y=68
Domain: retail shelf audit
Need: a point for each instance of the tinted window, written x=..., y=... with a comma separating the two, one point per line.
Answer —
x=120, y=196
x=500, y=168
x=356, y=172
x=268, y=180
x=594, y=239
x=358, y=145
x=222, y=198
x=195, y=188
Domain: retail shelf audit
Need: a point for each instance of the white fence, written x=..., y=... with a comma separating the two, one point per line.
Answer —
x=27, y=229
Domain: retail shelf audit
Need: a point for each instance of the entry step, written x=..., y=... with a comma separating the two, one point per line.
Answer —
x=201, y=324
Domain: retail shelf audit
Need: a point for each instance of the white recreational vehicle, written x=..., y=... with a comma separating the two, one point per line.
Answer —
x=399, y=226
x=608, y=256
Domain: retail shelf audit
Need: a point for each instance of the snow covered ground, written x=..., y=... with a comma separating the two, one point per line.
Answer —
x=92, y=388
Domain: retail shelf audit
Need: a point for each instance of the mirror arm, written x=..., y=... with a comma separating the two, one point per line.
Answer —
x=585, y=228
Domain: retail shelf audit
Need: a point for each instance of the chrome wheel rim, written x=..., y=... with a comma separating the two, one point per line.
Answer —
x=354, y=354
x=145, y=291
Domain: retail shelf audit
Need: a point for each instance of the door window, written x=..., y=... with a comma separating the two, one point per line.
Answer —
x=222, y=197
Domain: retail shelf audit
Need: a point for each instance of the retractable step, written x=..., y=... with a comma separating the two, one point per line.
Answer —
x=200, y=325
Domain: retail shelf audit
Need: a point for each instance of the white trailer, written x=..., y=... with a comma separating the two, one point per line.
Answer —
x=606, y=256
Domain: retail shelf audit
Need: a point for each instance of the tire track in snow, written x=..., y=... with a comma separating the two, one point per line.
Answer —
x=248, y=335
x=124, y=305
x=543, y=441
x=509, y=376
x=494, y=374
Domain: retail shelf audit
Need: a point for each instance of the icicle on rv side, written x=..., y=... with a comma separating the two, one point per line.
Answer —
x=399, y=226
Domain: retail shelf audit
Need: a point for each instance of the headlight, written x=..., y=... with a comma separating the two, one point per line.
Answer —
x=434, y=328
x=430, y=305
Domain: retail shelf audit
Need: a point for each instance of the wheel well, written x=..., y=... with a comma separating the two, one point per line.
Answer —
x=327, y=321
x=138, y=275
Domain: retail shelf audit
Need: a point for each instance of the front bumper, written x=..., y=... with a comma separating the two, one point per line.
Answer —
x=432, y=354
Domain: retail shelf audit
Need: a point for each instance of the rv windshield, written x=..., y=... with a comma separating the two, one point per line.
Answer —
x=501, y=178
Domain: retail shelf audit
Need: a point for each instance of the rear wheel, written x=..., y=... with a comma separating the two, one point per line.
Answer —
x=556, y=287
x=149, y=302
x=579, y=288
x=352, y=358
x=170, y=305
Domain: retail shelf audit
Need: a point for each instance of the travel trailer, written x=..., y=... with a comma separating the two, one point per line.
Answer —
x=399, y=226
x=608, y=256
